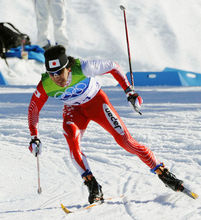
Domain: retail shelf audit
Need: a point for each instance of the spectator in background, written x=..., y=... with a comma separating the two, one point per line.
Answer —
x=56, y=9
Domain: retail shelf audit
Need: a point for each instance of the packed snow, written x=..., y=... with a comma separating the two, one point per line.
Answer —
x=162, y=33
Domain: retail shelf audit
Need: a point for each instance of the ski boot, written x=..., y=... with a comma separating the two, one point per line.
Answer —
x=168, y=178
x=95, y=190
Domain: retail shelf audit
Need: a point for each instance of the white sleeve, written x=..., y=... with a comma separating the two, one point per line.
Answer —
x=91, y=68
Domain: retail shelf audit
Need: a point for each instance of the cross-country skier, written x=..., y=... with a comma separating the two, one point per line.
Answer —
x=72, y=81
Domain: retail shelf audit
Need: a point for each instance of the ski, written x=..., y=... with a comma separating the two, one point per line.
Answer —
x=189, y=193
x=184, y=190
x=68, y=211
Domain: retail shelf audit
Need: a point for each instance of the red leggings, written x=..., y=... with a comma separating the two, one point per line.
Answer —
x=100, y=110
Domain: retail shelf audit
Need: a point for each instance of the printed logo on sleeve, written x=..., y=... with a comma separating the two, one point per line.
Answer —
x=37, y=93
x=113, y=120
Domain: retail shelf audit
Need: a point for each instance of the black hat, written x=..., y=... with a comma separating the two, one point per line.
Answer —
x=55, y=58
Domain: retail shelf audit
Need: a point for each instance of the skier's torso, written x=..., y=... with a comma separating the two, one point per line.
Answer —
x=80, y=88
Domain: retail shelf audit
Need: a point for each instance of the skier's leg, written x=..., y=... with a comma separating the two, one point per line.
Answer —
x=74, y=125
x=106, y=116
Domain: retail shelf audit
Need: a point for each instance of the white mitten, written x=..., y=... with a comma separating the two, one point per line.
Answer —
x=134, y=99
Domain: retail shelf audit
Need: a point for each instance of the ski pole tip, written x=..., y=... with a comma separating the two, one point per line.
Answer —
x=39, y=190
x=122, y=7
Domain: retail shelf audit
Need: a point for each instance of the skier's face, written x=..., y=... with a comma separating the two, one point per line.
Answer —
x=61, y=79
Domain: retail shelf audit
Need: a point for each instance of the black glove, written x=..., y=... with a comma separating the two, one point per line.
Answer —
x=134, y=99
x=35, y=146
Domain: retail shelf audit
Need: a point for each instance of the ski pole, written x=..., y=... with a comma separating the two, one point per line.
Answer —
x=129, y=55
x=128, y=48
x=38, y=171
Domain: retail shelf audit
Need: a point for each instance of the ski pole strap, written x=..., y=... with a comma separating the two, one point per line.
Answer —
x=156, y=167
x=129, y=89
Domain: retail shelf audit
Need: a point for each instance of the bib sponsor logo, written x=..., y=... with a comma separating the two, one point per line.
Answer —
x=113, y=120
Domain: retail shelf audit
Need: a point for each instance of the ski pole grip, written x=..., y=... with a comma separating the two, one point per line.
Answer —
x=122, y=7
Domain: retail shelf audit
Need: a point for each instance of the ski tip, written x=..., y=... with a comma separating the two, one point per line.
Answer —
x=189, y=193
x=65, y=209
x=194, y=195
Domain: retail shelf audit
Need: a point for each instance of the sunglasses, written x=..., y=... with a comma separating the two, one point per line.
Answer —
x=59, y=72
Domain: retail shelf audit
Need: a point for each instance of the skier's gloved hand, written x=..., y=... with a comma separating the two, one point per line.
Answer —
x=134, y=99
x=35, y=146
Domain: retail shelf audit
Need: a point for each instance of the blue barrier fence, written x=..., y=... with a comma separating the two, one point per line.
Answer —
x=2, y=80
x=168, y=77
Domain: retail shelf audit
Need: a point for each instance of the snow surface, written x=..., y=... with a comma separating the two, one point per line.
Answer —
x=170, y=126
x=162, y=33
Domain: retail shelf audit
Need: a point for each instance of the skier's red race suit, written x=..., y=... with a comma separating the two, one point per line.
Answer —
x=96, y=107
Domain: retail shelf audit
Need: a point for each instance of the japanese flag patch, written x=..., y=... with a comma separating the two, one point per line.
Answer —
x=54, y=63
